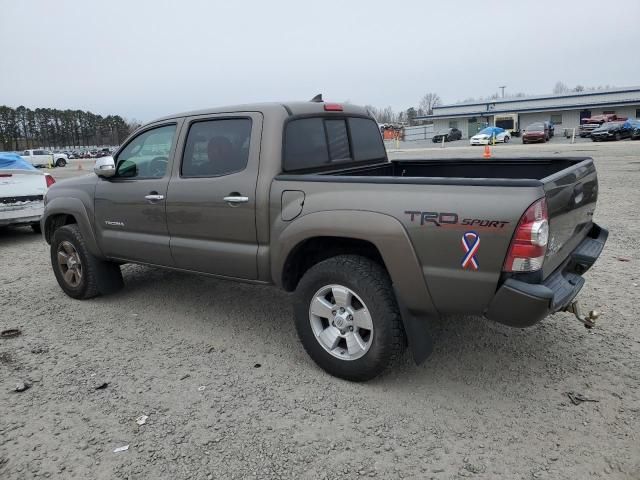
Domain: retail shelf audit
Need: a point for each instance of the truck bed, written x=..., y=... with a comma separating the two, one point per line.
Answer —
x=495, y=189
x=507, y=169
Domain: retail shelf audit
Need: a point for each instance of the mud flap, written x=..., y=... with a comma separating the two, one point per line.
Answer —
x=417, y=331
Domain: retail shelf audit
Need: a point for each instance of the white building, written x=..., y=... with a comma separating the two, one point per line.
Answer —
x=564, y=110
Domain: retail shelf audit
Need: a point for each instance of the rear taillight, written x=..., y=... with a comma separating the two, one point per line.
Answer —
x=50, y=180
x=529, y=243
x=6, y=175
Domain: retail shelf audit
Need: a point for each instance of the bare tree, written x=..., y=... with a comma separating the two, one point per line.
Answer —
x=578, y=88
x=560, y=88
x=429, y=101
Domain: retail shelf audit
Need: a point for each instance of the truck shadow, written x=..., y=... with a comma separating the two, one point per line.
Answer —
x=13, y=235
x=468, y=350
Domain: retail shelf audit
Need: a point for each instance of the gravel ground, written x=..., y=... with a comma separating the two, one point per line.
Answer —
x=229, y=392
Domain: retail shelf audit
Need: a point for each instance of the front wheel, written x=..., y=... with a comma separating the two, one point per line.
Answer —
x=79, y=273
x=506, y=139
x=61, y=162
x=347, y=317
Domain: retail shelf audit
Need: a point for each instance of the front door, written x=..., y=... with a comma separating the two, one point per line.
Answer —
x=130, y=215
x=211, y=201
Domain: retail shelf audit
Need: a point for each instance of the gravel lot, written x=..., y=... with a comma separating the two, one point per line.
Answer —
x=230, y=393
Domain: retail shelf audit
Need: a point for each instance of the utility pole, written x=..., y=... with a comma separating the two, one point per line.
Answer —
x=502, y=87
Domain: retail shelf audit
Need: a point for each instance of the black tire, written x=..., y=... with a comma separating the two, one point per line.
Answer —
x=617, y=136
x=61, y=162
x=372, y=284
x=98, y=276
x=506, y=139
x=36, y=227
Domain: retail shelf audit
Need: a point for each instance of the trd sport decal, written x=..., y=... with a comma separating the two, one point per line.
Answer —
x=470, y=245
x=452, y=220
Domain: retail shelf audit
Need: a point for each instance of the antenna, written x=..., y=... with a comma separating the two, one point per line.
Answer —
x=317, y=99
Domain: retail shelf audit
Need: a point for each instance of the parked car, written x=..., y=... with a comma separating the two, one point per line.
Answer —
x=587, y=125
x=489, y=135
x=536, y=132
x=635, y=130
x=612, y=131
x=551, y=128
x=22, y=189
x=44, y=158
x=276, y=194
x=448, y=134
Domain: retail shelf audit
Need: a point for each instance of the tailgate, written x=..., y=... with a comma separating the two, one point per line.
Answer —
x=571, y=201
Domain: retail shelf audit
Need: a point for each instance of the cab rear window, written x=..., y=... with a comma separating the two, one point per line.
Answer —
x=320, y=142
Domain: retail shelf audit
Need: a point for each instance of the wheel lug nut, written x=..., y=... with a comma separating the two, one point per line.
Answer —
x=341, y=310
x=350, y=318
x=333, y=312
x=351, y=329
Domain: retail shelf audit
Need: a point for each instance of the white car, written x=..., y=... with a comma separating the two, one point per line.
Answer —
x=22, y=190
x=486, y=136
x=44, y=158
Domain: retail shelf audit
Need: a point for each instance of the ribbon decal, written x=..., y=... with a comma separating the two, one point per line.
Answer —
x=470, y=245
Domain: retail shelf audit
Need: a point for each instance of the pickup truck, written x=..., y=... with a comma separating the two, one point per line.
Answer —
x=302, y=196
x=44, y=158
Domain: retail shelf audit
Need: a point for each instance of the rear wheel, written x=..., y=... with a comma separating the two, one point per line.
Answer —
x=79, y=273
x=347, y=317
x=506, y=139
x=61, y=162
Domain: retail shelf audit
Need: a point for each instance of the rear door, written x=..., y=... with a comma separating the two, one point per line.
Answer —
x=571, y=200
x=211, y=206
x=130, y=208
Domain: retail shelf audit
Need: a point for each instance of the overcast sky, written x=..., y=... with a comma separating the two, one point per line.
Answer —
x=143, y=59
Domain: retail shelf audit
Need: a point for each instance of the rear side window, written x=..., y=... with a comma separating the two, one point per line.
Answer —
x=320, y=141
x=216, y=147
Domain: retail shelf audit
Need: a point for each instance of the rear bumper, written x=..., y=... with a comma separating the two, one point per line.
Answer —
x=521, y=304
x=27, y=212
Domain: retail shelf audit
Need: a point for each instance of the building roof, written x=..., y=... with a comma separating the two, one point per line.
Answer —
x=539, y=103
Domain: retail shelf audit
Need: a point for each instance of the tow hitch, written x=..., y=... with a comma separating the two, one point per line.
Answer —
x=589, y=321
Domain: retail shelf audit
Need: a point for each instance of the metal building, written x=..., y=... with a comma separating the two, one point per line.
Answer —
x=564, y=110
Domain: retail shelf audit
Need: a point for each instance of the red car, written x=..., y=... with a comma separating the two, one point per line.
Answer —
x=536, y=132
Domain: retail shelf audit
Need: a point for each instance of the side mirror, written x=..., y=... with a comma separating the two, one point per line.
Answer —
x=105, y=167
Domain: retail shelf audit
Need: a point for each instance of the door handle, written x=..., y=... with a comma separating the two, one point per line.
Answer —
x=234, y=199
x=154, y=197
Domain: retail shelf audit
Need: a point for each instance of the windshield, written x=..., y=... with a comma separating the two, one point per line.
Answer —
x=535, y=127
x=490, y=131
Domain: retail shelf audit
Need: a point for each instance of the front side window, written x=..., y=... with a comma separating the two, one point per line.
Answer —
x=147, y=155
x=216, y=147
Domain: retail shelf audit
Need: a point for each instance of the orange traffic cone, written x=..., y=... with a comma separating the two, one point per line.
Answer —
x=487, y=152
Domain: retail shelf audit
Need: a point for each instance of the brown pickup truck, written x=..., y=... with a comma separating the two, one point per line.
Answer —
x=302, y=195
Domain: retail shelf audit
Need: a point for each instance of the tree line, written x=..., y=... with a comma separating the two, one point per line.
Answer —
x=22, y=128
